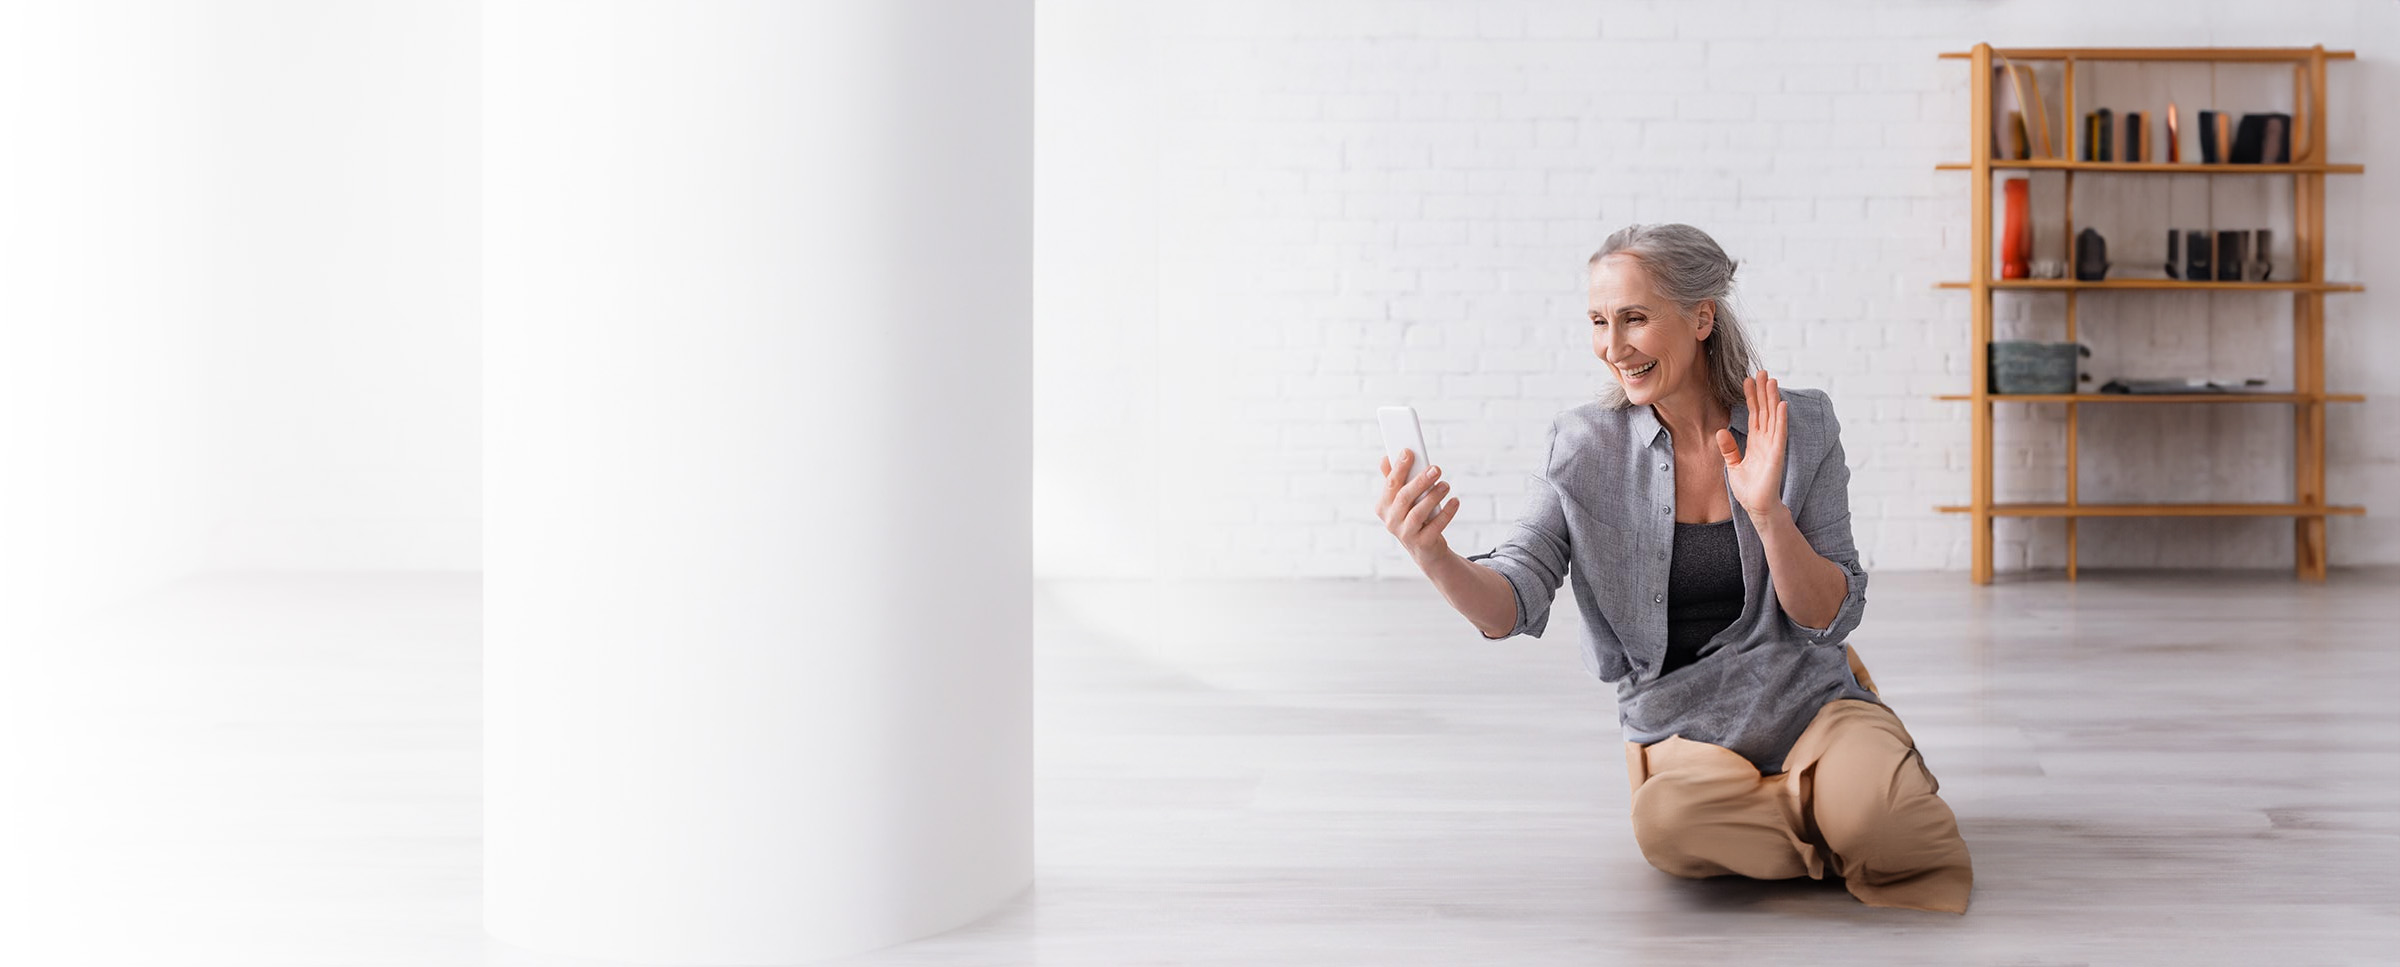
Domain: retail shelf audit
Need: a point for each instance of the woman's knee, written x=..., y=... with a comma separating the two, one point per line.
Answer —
x=1886, y=820
x=1668, y=812
x=1667, y=843
x=1657, y=816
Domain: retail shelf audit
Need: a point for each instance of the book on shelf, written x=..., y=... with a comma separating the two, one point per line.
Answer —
x=2174, y=136
x=2099, y=136
x=2021, y=121
x=2261, y=139
x=2137, y=136
x=2041, y=111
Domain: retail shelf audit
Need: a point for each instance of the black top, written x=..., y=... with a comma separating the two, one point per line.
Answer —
x=1704, y=589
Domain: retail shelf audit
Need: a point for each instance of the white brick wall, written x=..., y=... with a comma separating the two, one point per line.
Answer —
x=1272, y=217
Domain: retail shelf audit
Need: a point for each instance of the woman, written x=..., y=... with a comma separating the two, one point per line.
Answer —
x=1755, y=742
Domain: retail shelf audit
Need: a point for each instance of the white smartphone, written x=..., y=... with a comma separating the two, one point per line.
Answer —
x=1401, y=431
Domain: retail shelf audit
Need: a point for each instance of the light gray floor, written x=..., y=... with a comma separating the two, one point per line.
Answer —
x=2149, y=768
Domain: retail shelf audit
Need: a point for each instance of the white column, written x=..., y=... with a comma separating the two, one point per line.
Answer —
x=758, y=681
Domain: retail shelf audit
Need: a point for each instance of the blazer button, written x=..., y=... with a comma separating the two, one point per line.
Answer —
x=1655, y=598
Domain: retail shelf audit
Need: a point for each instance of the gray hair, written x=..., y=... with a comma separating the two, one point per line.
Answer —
x=1686, y=266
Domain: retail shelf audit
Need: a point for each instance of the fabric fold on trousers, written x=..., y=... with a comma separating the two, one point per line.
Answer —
x=1855, y=797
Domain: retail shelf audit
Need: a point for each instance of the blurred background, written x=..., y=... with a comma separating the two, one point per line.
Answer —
x=243, y=276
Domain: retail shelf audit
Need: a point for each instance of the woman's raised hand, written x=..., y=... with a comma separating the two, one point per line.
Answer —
x=1756, y=477
x=1417, y=523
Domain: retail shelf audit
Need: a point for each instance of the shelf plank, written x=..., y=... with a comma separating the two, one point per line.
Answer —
x=2160, y=167
x=2160, y=510
x=2162, y=397
x=2065, y=284
x=2221, y=54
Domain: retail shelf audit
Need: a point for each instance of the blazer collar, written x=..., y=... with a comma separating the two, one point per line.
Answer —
x=1647, y=428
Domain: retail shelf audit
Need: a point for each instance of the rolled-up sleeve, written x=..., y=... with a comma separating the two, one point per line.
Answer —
x=1824, y=520
x=1533, y=554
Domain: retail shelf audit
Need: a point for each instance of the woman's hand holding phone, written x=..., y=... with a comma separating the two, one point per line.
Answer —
x=1412, y=509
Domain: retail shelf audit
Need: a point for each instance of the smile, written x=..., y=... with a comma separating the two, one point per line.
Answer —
x=1644, y=371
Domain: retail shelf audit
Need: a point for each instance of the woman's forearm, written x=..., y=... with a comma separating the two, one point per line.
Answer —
x=1481, y=594
x=1809, y=586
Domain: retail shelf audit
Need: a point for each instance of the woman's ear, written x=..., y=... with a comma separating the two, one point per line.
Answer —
x=1708, y=318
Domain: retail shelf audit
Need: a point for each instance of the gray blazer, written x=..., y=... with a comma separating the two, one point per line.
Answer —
x=1602, y=514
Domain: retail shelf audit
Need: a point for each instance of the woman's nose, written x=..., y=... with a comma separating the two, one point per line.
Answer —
x=1615, y=343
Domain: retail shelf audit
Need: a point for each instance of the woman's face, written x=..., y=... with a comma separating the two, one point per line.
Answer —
x=1635, y=331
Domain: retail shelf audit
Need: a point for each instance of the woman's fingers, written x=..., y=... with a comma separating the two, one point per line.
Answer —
x=1409, y=492
x=1442, y=519
x=1397, y=486
x=1424, y=510
x=1402, y=492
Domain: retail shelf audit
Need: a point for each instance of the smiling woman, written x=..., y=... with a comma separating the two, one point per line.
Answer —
x=1755, y=742
x=1658, y=294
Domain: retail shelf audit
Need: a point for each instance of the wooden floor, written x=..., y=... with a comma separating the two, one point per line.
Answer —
x=2149, y=768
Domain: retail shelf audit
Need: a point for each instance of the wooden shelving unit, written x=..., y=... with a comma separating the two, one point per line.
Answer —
x=2308, y=169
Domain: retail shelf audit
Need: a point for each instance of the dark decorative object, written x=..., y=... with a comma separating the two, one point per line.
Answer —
x=2233, y=246
x=2174, y=253
x=2091, y=256
x=2195, y=256
x=2260, y=268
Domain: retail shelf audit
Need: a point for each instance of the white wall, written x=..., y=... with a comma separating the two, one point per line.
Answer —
x=100, y=340
x=238, y=324
x=343, y=358
x=1331, y=206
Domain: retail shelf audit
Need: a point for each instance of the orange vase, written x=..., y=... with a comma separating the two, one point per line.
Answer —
x=2016, y=239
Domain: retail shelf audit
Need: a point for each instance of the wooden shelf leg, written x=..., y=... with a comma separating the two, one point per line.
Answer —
x=1983, y=547
x=2308, y=342
x=1980, y=245
x=2308, y=366
x=2073, y=435
x=2308, y=544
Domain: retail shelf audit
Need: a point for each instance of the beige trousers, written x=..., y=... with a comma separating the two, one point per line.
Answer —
x=1854, y=795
